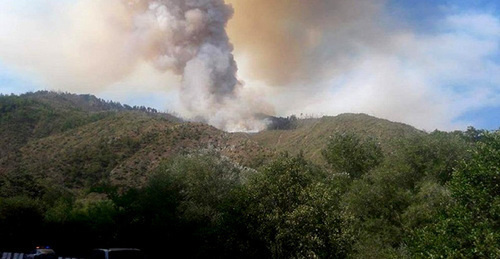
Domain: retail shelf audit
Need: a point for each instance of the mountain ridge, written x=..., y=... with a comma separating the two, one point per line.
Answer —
x=80, y=140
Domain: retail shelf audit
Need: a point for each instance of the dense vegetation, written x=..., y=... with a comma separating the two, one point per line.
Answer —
x=417, y=195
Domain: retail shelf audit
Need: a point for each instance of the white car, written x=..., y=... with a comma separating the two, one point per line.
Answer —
x=41, y=253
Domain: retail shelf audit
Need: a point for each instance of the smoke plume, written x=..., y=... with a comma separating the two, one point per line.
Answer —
x=93, y=44
x=321, y=57
x=189, y=38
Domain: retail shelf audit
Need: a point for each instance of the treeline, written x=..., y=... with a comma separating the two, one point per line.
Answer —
x=42, y=114
x=82, y=101
x=437, y=195
x=281, y=123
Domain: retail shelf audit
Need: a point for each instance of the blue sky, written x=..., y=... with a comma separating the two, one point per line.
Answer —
x=484, y=118
x=424, y=16
x=424, y=12
x=12, y=82
x=438, y=65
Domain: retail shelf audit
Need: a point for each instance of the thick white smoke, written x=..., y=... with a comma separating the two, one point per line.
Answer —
x=189, y=38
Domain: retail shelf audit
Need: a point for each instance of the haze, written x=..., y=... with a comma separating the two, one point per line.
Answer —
x=431, y=64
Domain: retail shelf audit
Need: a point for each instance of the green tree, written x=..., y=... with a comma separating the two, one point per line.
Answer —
x=469, y=228
x=435, y=155
x=376, y=201
x=294, y=207
x=403, y=194
x=351, y=154
x=203, y=182
x=189, y=206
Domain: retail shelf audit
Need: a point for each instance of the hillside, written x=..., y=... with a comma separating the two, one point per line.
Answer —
x=41, y=114
x=310, y=135
x=81, y=140
x=79, y=172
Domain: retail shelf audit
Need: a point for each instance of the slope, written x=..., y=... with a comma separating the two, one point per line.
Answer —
x=82, y=141
x=311, y=135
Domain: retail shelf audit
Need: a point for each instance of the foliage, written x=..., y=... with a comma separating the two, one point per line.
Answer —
x=377, y=202
x=79, y=172
x=203, y=182
x=20, y=183
x=281, y=123
x=349, y=153
x=433, y=156
x=470, y=227
x=295, y=210
x=187, y=201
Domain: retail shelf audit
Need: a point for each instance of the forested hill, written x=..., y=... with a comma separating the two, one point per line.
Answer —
x=79, y=172
x=41, y=114
x=75, y=140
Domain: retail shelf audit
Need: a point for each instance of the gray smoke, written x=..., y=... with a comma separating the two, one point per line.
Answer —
x=189, y=38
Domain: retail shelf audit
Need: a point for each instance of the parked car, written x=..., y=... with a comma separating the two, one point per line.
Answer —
x=41, y=253
x=117, y=253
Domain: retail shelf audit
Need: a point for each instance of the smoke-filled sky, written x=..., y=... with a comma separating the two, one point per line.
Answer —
x=434, y=64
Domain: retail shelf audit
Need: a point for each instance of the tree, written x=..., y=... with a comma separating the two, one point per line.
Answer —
x=470, y=227
x=376, y=202
x=294, y=209
x=349, y=153
x=435, y=155
x=189, y=203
